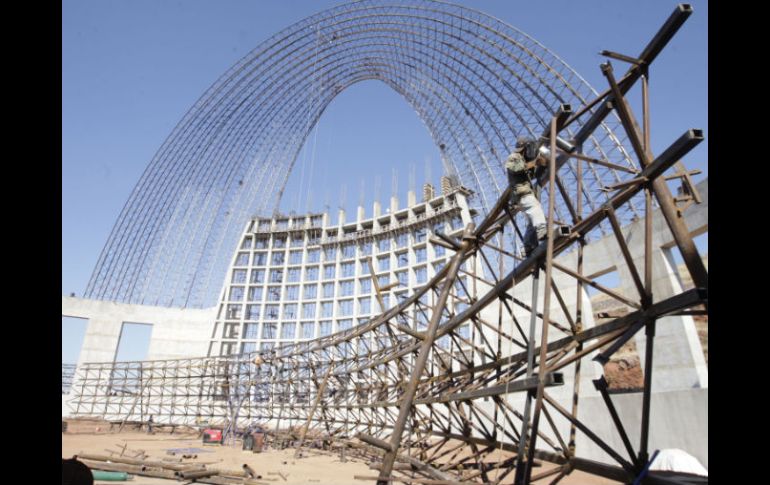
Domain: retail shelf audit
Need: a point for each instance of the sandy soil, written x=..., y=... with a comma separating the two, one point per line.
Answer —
x=313, y=469
x=320, y=469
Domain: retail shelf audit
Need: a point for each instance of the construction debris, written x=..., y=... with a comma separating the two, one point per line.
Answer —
x=153, y=469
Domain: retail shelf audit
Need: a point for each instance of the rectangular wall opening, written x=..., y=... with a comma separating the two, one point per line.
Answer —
x=134, y=342
x=73, y=331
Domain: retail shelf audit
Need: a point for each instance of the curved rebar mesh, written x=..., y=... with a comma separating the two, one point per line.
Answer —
x=475, y=82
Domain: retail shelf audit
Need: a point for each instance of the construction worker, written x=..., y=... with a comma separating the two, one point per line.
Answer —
x=520, y=166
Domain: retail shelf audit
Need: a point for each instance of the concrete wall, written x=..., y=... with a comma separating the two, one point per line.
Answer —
x=679, y=401
x=176, y=333
x=678, y=361
x=678, y=419
x=671, y=412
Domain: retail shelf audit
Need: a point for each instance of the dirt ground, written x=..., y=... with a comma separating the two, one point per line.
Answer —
x=311, y=469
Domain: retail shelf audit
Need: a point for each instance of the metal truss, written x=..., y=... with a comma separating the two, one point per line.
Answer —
x=67, y=373
x=471, y=379
x=475, y=82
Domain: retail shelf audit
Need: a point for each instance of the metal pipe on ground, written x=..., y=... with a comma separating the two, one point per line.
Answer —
x=382, y=444
x=250, y=471
x=132, y=469
x=196, y=473
x=234, y=473
x=131, y=461
x=218, y=480
x=109, y=476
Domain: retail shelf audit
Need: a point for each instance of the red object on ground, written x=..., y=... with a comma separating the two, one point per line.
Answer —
x=259, y=442
x=212, y=436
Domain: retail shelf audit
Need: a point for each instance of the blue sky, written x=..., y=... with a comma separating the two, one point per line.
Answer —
x=131, y=69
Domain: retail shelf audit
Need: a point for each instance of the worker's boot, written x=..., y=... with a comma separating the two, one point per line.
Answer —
x=530, y=241
x=528, y=248
x=533, y=237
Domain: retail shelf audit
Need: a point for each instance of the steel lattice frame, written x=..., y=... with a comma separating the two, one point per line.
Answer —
x=67, y=373
x=429, y=401
x=476, y=83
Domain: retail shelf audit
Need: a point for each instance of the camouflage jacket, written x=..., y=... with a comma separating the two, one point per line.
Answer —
x=518, y=176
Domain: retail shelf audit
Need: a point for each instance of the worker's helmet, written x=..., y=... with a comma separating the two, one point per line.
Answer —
x=527, y=147
x=521, y=143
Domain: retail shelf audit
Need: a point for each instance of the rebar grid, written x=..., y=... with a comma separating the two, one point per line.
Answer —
x=476, y=83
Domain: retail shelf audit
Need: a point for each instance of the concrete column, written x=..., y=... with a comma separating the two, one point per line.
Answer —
x=428, y=192
x=100, y=343
x=361, y=215
x=393, y=204
x=376, y=209
x=446, y=185
x=464, y=209
x=429, y=210
x=411, y=199
x=341, y=217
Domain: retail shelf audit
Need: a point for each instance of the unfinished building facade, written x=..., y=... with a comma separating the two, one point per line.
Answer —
x=297, y=278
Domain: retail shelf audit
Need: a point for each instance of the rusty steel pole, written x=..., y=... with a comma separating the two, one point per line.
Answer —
x=662, y=193
x=422, y=357
x=542, y=373
x=316, y=402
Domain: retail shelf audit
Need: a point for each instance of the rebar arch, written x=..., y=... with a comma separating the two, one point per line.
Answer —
x=475, y=82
